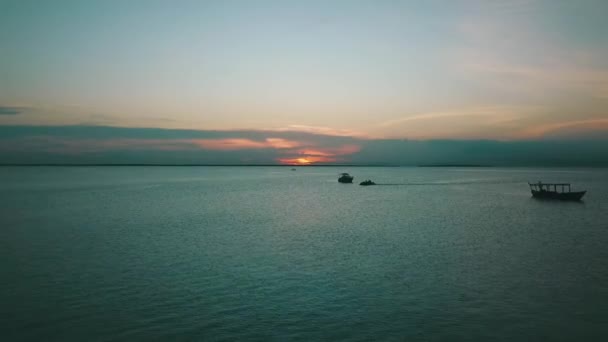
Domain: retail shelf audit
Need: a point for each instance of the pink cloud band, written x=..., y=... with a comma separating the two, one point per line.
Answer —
x=290, y=151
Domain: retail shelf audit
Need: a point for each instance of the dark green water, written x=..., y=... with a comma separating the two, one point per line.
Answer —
x=263, y=253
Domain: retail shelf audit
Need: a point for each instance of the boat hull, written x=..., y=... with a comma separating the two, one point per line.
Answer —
x=561, y=196
x=345, y=179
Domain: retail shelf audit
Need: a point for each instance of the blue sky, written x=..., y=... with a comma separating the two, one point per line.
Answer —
x=465, y=70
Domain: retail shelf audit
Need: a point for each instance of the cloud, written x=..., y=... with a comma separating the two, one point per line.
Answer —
x=52, y=144
x=63, y=145
x=112, y=145
x=517, y=61
x=320, y=130
x=490, y=111
x=508, y=51
x=282, y=147
x=584, y=80
x=244, y=144
x=509, y=7
x=319, y=154
x=8, y=110
x=330, y=151
x=475, y=122
x=542, y=130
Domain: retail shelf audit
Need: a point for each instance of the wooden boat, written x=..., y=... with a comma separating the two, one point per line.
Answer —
x=556, y=191
x=345, y=178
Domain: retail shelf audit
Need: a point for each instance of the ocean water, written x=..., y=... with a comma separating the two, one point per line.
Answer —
x=269, y=254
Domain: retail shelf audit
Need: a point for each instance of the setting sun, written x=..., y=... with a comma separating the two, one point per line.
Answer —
x=295, y=161
x=307, y=160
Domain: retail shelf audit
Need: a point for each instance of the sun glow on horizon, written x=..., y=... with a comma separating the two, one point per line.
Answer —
x=308, y=160
x=294, y=161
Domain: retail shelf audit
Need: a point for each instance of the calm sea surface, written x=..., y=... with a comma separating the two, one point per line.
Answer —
x=265, y=253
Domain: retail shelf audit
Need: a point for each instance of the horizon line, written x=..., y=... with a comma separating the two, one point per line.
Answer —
x=295, y=166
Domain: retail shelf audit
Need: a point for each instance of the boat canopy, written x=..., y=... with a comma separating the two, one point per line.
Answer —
x=540, y=186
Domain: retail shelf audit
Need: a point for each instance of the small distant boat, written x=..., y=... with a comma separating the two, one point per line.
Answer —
x=367, y=182
x=293, y=169
x=556, y=191
x=345, y=178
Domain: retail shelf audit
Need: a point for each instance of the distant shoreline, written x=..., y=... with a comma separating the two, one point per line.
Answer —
x=455, y=165
x=305, y=166
x=211, y=165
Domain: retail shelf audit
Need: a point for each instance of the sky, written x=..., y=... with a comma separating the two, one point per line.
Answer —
x=300, y=82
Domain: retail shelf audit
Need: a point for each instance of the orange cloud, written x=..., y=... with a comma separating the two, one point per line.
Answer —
x=282, y=143
x=330, y=151
x=319, y=155
x=310, y=152
x=98, y=145
x=292, y=152
x=232, y=144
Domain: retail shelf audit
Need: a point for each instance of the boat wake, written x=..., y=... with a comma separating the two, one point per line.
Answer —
x=451, y=183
